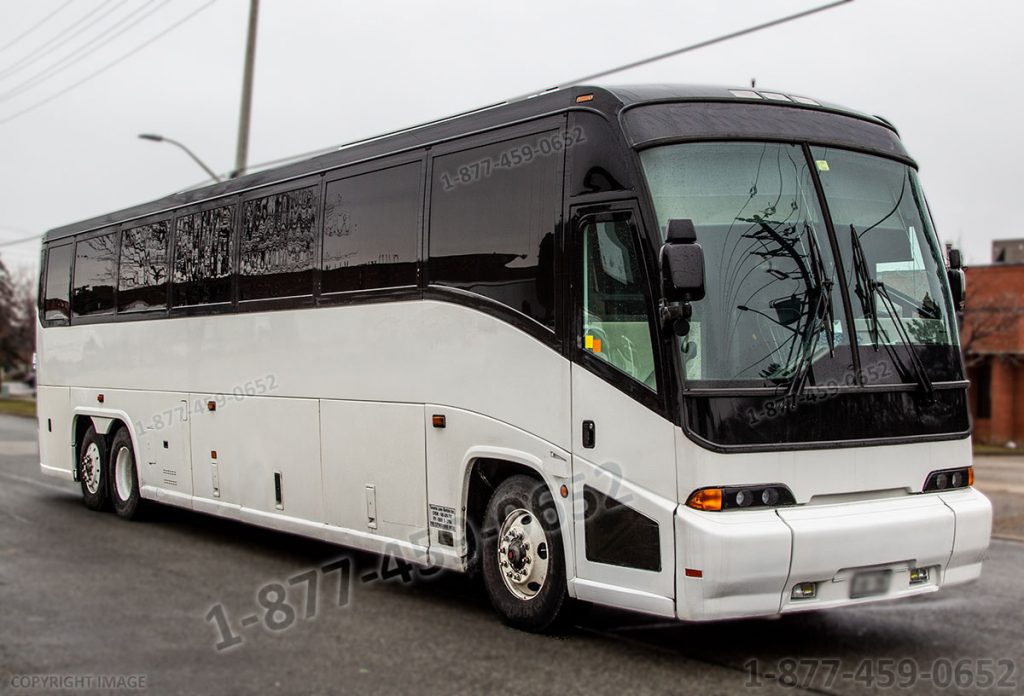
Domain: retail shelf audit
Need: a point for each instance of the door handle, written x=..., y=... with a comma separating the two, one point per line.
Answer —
x=589, y=434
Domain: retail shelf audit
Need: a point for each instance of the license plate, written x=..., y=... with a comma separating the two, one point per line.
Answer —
x=871, y=583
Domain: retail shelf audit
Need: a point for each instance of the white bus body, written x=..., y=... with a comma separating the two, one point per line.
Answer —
x=387, y=424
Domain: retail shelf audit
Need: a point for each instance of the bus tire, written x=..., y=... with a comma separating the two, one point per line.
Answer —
x=92, y=474
x=523, y=559
x=123, y=475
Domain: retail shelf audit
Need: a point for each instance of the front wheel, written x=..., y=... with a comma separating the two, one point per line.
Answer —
x=523, y=558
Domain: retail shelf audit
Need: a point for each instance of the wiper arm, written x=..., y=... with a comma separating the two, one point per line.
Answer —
x=821, y=312
x=821, y=290
x=901, y=329
x=825, y=288
x=864, y=288
x=867, y=289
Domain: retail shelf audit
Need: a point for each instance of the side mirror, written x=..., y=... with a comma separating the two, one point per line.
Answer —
x=958, y=287
x=957, y=279
x=682, y=263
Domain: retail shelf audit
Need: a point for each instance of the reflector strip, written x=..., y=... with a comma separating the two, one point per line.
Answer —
x=691, y=573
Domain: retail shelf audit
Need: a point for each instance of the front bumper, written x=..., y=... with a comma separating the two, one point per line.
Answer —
x=745, y=563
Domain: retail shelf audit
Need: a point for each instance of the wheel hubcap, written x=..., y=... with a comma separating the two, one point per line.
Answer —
x=123, y=473
x=522, y=554
x=91, y=466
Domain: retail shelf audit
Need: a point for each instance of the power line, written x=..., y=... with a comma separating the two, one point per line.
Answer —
x=709, y=42
x=32, y=28
x=603, y=73
x=69, y=60
x=54, y=43
x=51, y=44
x=15, y=242
x=108, y=66
x=13, y=228
x=592, y=76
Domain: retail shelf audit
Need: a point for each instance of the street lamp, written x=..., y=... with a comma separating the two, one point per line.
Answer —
x=161, y=139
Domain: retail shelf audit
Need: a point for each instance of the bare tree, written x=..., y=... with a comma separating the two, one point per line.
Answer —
x=988, y=320
x=17, y=320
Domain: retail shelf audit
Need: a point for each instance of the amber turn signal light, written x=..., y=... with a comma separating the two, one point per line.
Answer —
x=706, y=499
x=741, y=497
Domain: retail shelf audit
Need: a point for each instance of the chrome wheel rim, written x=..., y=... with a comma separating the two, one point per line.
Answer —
x=123, y=473
x=522, y=554
x=91, y=467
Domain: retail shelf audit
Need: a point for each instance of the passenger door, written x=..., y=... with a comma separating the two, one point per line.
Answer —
x=624, y=469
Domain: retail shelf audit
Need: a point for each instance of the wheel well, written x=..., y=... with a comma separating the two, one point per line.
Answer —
x=82, y=425
x=485, y=476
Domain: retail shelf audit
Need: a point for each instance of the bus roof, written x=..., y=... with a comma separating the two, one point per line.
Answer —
x=608, y=100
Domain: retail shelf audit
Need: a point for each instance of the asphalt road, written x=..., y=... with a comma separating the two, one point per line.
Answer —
x=85, y=596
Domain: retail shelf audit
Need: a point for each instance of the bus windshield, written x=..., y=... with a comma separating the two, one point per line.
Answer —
x=775, y=313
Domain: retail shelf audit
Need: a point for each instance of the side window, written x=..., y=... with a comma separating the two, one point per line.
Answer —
x=370, y=230
x=202, y=257
x=57, y=302
x=278, y=245
x=494, y=211
x=142, y=272
x=616, y=323
x=95, y=275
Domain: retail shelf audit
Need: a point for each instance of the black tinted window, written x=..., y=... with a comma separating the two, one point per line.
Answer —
x=202, y=257
x=142, y=275
x=279, y=238
x=95, y=264
x=370, y=235
x=57, y=305
x=493, y=214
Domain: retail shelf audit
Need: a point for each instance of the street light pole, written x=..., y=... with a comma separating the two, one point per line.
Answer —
x=161, y=139
x=242, y=153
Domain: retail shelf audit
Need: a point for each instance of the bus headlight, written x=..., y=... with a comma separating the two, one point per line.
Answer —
x=740, y=497
x=949, y=479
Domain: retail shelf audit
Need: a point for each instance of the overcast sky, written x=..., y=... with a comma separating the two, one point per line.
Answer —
x=949, y=74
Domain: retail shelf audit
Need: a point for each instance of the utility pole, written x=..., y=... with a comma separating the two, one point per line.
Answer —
x=242, y=154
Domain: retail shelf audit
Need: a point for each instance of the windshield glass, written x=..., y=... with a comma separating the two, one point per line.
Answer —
x=774, y=300
x=877, y=205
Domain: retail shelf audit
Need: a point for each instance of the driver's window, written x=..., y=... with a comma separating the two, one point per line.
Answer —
x=616, y=326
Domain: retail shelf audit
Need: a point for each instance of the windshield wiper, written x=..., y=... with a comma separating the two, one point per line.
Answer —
x=823, y=312
x=818, y=293
x=867, y=290
x=864, y=288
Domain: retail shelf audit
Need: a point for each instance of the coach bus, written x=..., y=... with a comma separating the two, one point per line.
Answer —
x=686, y=351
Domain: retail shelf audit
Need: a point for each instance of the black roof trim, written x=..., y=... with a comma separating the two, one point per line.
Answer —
x=607, y=101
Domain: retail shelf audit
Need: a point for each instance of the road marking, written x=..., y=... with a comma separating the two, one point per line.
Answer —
x=1000, y=488
x=33, y=482
x=18, y=448
x=15, y=516
x=1006, y=464
x=1008, y=537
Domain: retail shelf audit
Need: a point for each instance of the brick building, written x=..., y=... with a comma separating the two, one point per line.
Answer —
x=993, y=340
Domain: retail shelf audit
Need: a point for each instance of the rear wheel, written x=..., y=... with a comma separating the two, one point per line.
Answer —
x=124, y=476
x=522, y=556
x=92, y=458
